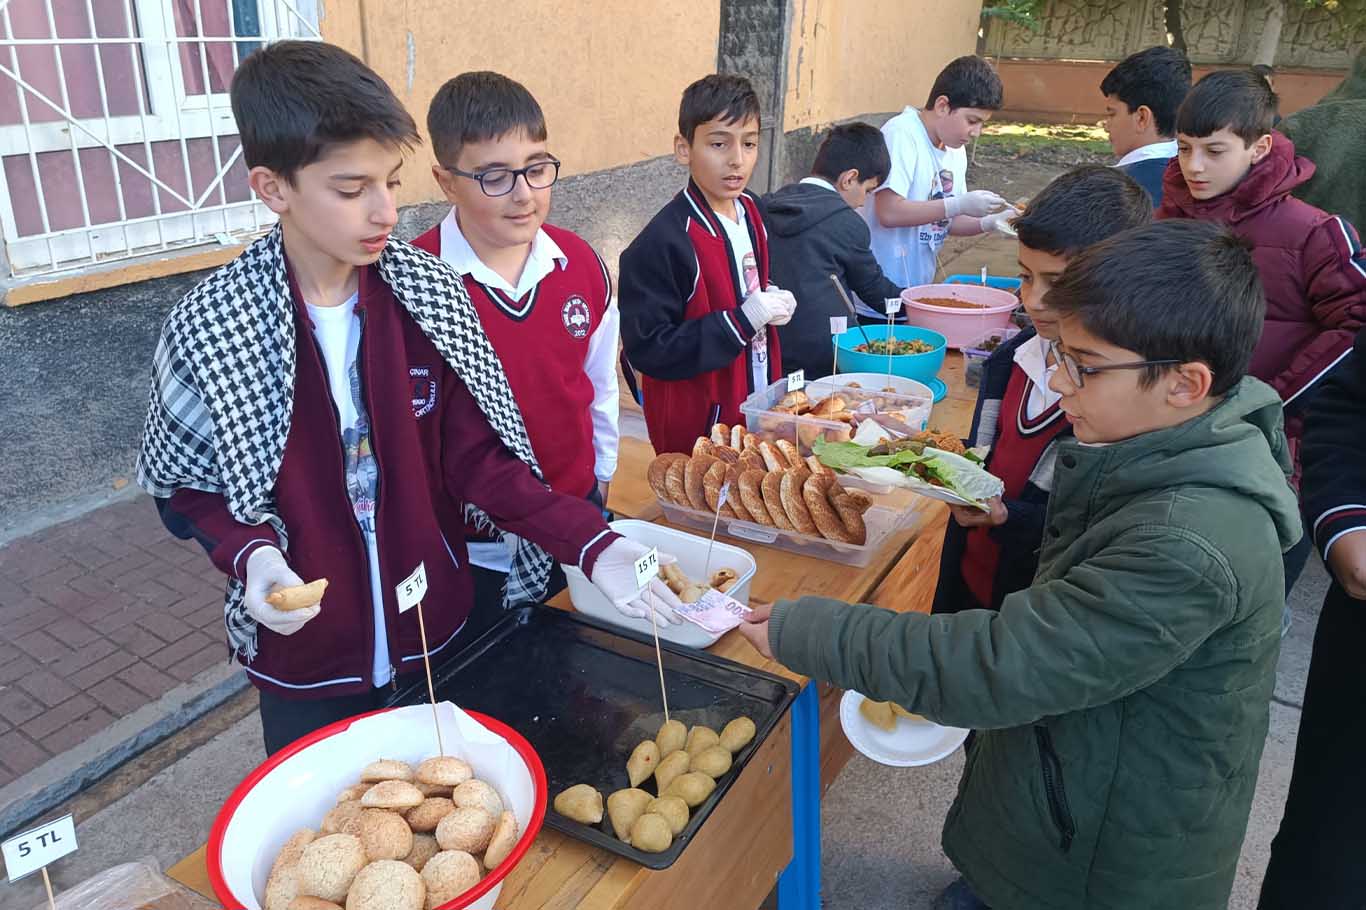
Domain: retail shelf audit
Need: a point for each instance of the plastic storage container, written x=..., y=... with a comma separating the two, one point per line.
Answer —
x=691, y=553
x=910, y=412
x=958, y=324
x=976, y=352
x=881, y=521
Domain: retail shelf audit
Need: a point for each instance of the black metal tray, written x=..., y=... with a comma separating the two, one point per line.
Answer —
x=585, y=694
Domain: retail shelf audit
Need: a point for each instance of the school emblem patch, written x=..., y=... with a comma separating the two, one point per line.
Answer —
x=423, y=388
x=577, y=318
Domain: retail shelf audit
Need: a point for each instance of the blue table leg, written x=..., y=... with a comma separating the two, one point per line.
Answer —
x=799, y=887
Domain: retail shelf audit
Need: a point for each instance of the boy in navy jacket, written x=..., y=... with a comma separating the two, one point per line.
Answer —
x=699, y=316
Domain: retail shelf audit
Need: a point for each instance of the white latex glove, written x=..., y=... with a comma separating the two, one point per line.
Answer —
x=789, y=298
x=267, y=568
x=976, y=203
x=772, y=307
x=1002, y=222
x=614, y=574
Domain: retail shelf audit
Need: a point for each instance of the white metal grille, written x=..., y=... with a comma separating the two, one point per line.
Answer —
x=116, y=135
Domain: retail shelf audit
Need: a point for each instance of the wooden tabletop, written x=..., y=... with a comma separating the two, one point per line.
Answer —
x=734, y=859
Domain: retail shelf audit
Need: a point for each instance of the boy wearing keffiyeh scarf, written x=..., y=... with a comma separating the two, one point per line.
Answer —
x=327, y=406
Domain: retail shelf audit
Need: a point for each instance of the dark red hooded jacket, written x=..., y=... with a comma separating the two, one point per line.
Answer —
x=1311, y=265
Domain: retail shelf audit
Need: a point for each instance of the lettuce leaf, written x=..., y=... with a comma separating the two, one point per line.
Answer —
x=961, y=475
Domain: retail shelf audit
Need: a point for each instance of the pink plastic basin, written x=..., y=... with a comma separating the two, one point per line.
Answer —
x=961, y=326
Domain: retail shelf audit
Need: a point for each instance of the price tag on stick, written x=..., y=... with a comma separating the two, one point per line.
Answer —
x=410, y=592
x=37, y=848
x=796, y=381
x=647, y=569
x=838, y=326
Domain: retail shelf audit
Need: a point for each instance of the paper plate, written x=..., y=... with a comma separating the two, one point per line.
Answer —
x=911, y=744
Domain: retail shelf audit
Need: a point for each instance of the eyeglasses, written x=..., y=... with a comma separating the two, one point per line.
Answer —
x=1078, y=373
x=499, y=181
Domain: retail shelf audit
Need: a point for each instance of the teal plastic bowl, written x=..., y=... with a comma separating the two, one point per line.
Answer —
x=920, y=367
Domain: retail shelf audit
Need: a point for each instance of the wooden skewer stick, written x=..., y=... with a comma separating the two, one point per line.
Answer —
x=659, y=658
x=47, y=884
x=431, y=689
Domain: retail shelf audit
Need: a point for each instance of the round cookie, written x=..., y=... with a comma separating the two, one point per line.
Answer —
x=383, y=834
x=328, y=865
x=424, y=848
x=303, y=902
x=386, y=769
x=448, y=875
x=424, y=817
x=444, y=771
x=476, y=793
x=503, y=841
x=336, y=819
x=392, y=794
x=468, y=828
x=387, y=885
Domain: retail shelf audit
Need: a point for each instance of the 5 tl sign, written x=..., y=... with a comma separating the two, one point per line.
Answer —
x=38, y=847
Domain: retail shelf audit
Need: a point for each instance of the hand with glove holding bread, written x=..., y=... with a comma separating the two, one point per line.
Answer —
x=978, y=204
x=267, y=570
x=614, y=574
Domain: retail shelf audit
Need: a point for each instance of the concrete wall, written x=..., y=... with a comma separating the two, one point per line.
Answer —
x=1068, y=91
x=609, y=80
x=854, y=57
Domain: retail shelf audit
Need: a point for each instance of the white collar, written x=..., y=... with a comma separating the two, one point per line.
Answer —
x=1164, y=149
x=1032, y=358
x=820, y=181
x=456, y=250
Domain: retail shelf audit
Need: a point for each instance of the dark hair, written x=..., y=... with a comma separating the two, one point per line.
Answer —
x=720, y=96
x=294, y=99
x=856, y=146
x=1239, y=100
x=968, y=82
x=1083, y=207
x=1171, y=290
x=477, y=107
x=1157, y=78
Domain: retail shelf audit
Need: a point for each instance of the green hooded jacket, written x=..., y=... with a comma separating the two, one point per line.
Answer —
x=1124, y=697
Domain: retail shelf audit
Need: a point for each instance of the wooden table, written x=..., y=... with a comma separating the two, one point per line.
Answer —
x=737, y=857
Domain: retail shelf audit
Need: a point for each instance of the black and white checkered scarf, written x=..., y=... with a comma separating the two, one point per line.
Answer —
x=223, y=393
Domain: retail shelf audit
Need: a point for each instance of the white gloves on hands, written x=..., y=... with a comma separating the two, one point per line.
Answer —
x=614, y=574
x=769, y=307
x=977, y=203
x=266, y=568
x=1002, y=222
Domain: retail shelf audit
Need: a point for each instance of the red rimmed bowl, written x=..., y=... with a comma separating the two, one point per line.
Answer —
x=294, y=788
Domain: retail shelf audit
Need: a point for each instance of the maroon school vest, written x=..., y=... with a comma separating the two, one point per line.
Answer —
x=1020, y=443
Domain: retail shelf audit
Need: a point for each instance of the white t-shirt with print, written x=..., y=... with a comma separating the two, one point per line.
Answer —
x=747, y=271
x=909, y=256
x=337, y=330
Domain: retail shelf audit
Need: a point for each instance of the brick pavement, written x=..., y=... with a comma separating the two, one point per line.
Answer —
x=98, y=617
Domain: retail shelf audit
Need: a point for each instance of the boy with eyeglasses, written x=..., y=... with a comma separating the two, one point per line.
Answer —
x=1123, y=698
x=543, y=295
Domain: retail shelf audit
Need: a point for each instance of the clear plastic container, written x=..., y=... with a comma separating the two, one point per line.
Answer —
x=976, y=352
x=882, y=522
x=905, y=413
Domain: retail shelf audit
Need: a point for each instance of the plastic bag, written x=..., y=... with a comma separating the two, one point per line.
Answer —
x=130, y=886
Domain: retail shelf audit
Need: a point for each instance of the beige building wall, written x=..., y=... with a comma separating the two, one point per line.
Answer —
x=609, y=81
x=851, y=57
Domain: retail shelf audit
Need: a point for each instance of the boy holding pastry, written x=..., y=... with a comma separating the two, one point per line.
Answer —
x=542, y=294
x=699, y=317
x=1123, y=698
x=327, y=406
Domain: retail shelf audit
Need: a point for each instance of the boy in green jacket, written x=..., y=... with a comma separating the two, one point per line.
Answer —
x=1123, y=698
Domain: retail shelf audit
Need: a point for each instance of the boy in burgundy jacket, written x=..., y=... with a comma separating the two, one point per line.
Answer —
x=542, y=293
x=1232, y=168
x=327, y=406
x=698, y=315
